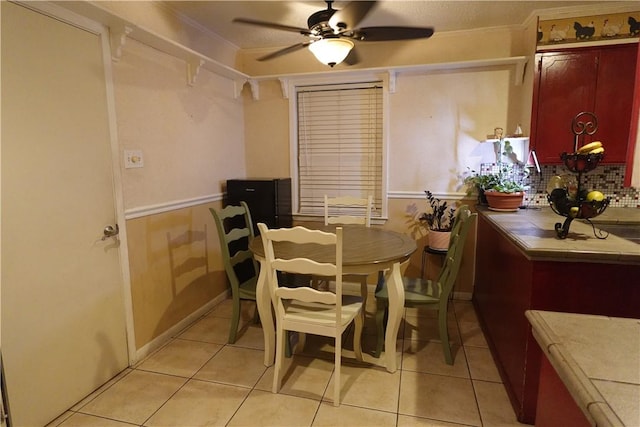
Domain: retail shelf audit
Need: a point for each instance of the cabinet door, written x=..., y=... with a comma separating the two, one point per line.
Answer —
x=566, y=87
x=614, y=99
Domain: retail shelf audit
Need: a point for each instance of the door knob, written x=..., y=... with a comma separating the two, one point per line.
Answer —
x=110, y=231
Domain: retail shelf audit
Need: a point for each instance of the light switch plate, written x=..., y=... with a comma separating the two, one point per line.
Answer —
x=133, y=159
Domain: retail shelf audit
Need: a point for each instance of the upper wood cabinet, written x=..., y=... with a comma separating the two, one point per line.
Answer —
x=596, y=79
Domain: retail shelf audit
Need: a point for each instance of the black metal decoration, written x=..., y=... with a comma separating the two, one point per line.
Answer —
x=576, y=202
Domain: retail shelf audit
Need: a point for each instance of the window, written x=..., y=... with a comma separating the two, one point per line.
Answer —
x=339, y=144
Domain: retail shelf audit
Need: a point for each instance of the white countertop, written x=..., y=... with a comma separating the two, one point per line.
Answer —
x=598, y=359
x=533, y=232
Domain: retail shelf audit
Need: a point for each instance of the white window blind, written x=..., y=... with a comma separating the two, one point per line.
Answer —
x=339, y=144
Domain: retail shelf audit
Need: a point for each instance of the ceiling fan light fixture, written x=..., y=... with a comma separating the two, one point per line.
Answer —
x=331, y=51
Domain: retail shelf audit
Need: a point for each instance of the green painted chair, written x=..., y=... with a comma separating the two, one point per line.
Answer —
x=235, y=230
x=428, y=293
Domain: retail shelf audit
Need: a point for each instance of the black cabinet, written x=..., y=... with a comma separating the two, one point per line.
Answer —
x=269, y=200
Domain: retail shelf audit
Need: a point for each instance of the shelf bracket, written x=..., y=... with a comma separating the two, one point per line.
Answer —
x=194, y=64
x=117, y=38
x=520, y=67
x=392, y=81
x=255, y=89
x=238, y=85
x=284, y=86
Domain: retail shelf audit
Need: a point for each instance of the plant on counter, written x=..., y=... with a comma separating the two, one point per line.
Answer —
x=441, y=215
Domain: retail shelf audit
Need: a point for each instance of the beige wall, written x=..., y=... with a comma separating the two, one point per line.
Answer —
x=192, y=137
x=176, y=268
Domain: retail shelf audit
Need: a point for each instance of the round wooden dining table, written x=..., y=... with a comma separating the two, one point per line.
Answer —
x=365, y=250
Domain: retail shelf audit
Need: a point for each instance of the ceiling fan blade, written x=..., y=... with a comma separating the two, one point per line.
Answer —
x=379, y=34
x=350, y=15
x=284, y=51
x=303, y=31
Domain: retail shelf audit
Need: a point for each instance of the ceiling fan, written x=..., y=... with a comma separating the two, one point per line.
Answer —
x=331, y=32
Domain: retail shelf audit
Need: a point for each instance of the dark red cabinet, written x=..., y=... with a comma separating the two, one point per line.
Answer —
x=599, y=80
x=508, y=283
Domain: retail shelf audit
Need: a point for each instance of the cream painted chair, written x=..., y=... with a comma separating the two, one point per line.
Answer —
x=304, y=309
x=348, y=210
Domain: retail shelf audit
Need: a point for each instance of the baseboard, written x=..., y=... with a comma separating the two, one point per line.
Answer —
x=163, y=338
x=462, y=296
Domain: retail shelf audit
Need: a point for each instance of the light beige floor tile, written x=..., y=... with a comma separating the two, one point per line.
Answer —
x=302, y=376
x=438, y=397
x=428, y=357
x=102, y=388
x=209, y=329
x=84, y=420
x=235, y=366
x=495, y=407
x=367, y=387
x=471, y=334
x=135, y=397
x=425, y=329
x=263, y=408
x=465, y=312
x=344, y=415
x=408, y=421
x=481, y=364
x=225, y=310
x=250, y=336
x=56, y=422
x=180, y=357
x=200, y=403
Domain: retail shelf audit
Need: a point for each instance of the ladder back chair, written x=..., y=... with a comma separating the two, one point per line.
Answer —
x=432, y=294
x=347, y=210
x=235, y=231
x=304, y=309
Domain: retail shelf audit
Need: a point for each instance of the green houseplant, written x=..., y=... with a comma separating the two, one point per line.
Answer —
x=507, y=188
x=439, y=219
x=504, y=185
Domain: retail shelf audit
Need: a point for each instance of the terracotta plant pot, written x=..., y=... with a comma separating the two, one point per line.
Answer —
x=439, y=240
x=504, y=201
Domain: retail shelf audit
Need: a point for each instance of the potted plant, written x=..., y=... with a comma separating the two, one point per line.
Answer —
x=507, y=191
x=478, y=184
x=439, y=220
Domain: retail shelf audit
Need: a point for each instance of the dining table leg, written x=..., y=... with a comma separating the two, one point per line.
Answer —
x=395, y=291
x=263, y=301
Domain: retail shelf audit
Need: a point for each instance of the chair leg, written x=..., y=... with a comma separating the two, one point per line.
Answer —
x=357, y=337
x=235, y=319
x=364, y=292
x=281, y=336
x=381, y=314
x=443, y=330
x=336, y=377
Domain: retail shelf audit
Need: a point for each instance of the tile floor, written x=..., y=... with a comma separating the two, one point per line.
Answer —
x=197, y=379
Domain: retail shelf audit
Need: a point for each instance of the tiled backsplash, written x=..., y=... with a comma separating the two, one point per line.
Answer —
x=606, y=178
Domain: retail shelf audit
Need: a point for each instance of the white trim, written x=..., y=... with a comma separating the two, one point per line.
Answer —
x=117, y=192
x=576, y=45
x=421, y=195
x=462, y=296
x=170, y=206
x=161, y=339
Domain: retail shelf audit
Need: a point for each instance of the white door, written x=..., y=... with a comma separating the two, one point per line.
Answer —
x=63, y=311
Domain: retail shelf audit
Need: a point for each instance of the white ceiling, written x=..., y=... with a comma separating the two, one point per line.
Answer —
x=448, y=15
